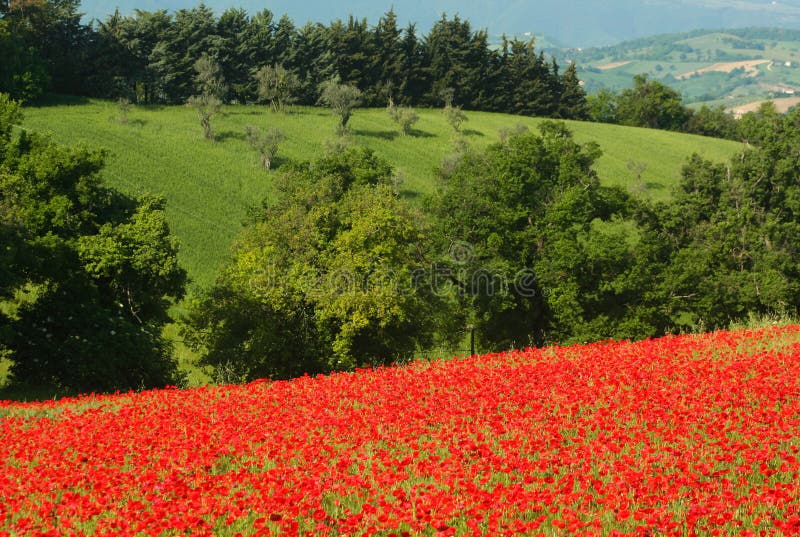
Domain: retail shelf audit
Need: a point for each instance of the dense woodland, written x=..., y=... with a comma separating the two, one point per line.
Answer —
x=521, y=243
x=149, y=58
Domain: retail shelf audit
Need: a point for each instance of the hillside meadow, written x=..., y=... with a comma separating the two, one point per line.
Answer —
x=210, y=186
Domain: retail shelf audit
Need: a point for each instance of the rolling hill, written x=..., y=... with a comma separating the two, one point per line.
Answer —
x=729, y=67
x=210, y=186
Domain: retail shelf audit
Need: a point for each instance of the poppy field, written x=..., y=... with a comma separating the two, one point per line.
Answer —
x=685, y=435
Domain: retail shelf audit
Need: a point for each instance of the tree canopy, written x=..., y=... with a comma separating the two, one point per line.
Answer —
x=150, y=57
x=324, y=279
x=88, y=274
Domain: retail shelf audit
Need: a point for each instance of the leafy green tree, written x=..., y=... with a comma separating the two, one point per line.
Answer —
x=342, y=99
x=278, y=86
x=255, y=48
x=513, y=221
x=756, y=127
x=192, y=34
x=123, y=53
x=733, y=229
x=50, y=33
x=651, y=104
x=602, y=106
x=352, y=49
x=713, y=121
x=10, y=116
x=404, y=116
x=321, y=280
x=266, y=144
x=23, y=73
x=386, y=71
x=455, y=117
x=233, y=37
x=461, y=59
x=313, y=60
x=212, y=89
x=88, y=275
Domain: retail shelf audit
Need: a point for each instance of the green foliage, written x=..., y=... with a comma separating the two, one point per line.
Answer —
x=212, y=87
x=322, y=279
x=342, y=99
x=150, y=57
x=713, y=121
x=210, y=191
x=734, y=229
x=87, y=274
x=124, y=107
x=10, y=116
x=209, y=79
x=525, y=225
x=23, y=74
x=207, y=108
x=756, y=127
x=404, y=116
x=48, y=46
x=651, y=104
x=265, y=144
x=572, y=101
x=602, y=106
x=277, y=85
x=455, y=117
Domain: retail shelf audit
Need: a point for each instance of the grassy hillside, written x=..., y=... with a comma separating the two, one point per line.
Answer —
x=209, y=186
x=731, y=67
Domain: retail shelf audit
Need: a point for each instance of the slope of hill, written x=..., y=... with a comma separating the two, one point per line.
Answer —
x=631, y=438
x=210, y=186
x=580, y=23
x=730, y=67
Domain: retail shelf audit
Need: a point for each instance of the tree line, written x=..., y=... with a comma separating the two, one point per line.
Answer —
x=154, y=57
x=520, y=244
x=149, y=57
x=654, y=105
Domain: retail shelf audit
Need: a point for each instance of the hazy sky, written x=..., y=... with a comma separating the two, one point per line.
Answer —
x=573, y=22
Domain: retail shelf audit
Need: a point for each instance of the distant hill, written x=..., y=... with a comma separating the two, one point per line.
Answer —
x=579, y=23
x=730, y=67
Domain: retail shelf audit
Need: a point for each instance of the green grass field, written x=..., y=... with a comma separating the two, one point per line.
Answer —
x=210, y=185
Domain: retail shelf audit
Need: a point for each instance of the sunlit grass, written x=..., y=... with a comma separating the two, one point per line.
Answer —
x=210, y=186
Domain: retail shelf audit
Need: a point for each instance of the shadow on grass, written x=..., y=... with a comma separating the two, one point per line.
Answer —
x=274, y=165
x=23, y=393
x=654, y=186
x=129, y=122
x=383, y=135
x=472, y=132
x=229, y=135
x=410, y=194
x=416, y=133
x=249, y=112
x=54, y=99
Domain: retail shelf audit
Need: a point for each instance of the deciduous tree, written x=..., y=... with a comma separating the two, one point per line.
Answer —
x=88, y=275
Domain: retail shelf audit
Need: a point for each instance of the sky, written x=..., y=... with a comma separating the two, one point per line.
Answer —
x=574, y=23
